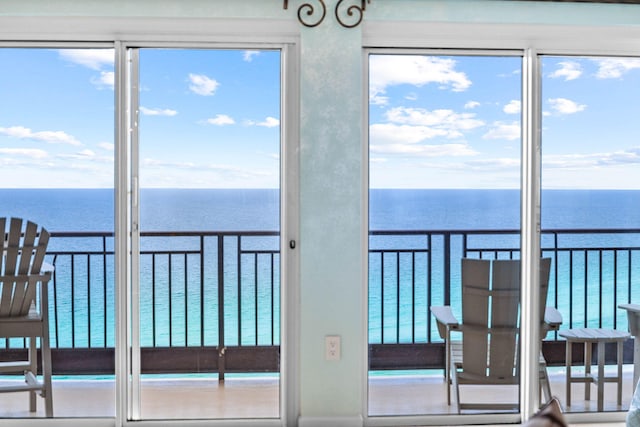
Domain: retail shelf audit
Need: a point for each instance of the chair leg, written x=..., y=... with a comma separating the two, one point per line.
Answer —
x=447, y=364
x=33, y=367
x=544, y=384
x=453, y=371
x=46, y=373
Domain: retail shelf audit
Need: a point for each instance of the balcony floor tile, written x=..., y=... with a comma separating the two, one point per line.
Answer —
x=259, y=397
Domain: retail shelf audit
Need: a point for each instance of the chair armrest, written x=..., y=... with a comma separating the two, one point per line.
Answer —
x=47, y=268
x=446, y=320
x=552, y=318
x=633, y=317
x=635, y=308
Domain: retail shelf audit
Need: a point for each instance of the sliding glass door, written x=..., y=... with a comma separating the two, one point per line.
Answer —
x=202, y=265
x=56, y=169
x=207, y=176
x=445, y=149
x=444, y=184
x=590, y=205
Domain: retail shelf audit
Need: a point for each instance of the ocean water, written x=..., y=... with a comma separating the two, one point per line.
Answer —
x=395, y=314
x=251, y=209
x=586, y=285
x=500, y=209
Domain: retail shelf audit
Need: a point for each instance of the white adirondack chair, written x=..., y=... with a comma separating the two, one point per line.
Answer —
x=23, y=306
x=487, y=354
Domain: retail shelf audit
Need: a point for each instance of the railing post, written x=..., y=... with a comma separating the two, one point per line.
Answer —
x=104, y=288
x=221, y=347
x=202, y=281
x=447, y=269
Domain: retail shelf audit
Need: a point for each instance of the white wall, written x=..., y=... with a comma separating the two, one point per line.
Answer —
x=331, y=218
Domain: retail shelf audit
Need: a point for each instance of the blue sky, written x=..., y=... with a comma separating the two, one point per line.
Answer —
x=211, y=118
x=454, y=122
x=207, y=118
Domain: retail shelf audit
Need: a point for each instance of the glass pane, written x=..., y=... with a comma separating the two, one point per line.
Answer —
x=56, y=153
x=210, y=222
x=590, y=205
x=444, y=164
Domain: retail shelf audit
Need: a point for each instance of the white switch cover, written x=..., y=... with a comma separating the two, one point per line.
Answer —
x=332, y=347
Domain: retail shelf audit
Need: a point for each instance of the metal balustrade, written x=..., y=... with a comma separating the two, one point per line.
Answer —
x=211, y=300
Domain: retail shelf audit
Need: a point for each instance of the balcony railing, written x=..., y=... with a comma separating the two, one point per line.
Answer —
x=593, y=271
x=210, y=301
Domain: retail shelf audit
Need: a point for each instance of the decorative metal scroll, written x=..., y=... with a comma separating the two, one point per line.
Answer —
x=312, y=13
x=354, y=13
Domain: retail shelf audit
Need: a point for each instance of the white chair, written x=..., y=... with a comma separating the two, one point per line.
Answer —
x=633, y=319
x=506, y=275
x=24, y=306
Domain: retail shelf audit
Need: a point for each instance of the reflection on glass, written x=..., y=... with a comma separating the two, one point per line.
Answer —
x=444, y=163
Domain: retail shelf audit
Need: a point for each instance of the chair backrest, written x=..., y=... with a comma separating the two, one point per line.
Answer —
x=21, y=263
x=491, y=316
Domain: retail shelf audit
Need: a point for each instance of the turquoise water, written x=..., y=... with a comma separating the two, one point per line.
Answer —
x=601, y=280
x=253, y=210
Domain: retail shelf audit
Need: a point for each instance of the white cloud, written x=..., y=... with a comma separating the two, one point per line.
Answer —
x=105, y=79
x=492, y=165
x=447, y=121
x=108, y=146
x=95, y=59
x=157, y=112
x=85, y=159
x=202, y=85
x=593, y=160
x=378, y=160
x=52, y=137
x=513, y=107
x=565, y=106
x=221, y=120
x=269, y=122
x=515, y=72
x=249, y=54
x=409, y=129
x=391, y=70
x=388, y=133
x=236, y=171
x=221, y=169
x=425, y=150
x=613, y=68
x=378, y=100
x=33, y=153
x=568, y=70
x=501, y=130
x=471, y=105
x=85, y=154
x=155, y=163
